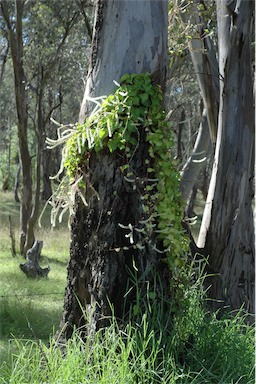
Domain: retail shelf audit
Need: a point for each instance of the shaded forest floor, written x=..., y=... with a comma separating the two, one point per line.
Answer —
x=198, y=347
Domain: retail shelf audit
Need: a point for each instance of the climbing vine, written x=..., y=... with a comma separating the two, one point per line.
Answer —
x=115, y=124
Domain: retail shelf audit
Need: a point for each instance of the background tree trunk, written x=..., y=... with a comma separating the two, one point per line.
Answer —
x=47, y=186
x=3, y=59
x=16, y=47
x=205, y=63
x=227, y=231
x=16, y=184
x=135, y=32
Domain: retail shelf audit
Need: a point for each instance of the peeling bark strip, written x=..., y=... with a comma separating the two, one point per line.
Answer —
x=129, y=37
x=227, y=230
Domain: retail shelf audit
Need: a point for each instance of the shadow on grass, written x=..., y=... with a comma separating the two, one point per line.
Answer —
x=21, y=318
x=51, y=260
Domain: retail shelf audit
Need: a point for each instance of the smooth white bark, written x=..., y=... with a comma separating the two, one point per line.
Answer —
x=128, y=38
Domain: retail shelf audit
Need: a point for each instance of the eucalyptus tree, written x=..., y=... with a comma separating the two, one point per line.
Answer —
x=226, y=234
x=225, y=79
x=118, y=159
x=227, y=231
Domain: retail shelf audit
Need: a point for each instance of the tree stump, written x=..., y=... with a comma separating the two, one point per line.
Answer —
x=32, y=268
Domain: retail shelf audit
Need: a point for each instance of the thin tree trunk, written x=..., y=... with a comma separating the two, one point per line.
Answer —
x=12, y=237
x=3, y=59
x=194, y=164
x=206, y=66
x=47, y=186
x=34, y=213
x=16, y=185
x=227, y=231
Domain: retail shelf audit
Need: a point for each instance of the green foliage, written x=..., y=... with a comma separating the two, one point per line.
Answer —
x=136, y=102
x=116, y=125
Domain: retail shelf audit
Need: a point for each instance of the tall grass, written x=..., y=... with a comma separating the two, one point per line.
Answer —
x=191, y=347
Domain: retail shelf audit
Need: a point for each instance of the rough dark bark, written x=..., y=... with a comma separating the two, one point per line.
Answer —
x=98, y=271
x=227, y=231
x=32, y=268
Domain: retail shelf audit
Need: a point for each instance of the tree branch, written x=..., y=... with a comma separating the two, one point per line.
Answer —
x=81, y=4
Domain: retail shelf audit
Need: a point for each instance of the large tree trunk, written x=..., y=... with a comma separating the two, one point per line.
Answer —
x=135, y=32
x=99, y=268
x=128, y=38
x=227, y=231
